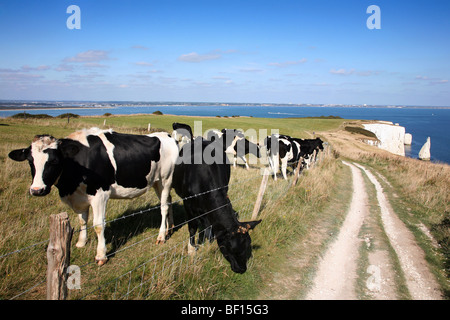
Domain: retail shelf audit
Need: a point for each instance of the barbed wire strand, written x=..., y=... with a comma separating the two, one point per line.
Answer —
x=151, y=209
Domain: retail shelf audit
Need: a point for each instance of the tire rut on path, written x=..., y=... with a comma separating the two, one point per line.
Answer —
x=421, y=283
x=336, y=276
x=337, y=272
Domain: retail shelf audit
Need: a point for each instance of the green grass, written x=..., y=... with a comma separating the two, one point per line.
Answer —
x=290, y=215
x=24, y=220
x=361, y=131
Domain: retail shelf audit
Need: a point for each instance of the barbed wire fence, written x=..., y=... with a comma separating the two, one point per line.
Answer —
x=148, y=277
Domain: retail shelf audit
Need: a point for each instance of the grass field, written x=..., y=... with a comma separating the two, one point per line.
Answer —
x=138, y=268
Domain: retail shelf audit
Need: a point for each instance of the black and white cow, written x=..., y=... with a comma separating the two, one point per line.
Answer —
x=235, y=144
x=289, y=151
x=310, y=149
x=89, y=167
x=192, y=182
x=182, y=133
x=280, y=149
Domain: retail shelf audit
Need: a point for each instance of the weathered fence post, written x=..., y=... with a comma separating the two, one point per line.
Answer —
x=58, y=256
x=297, y=171
x=262, y=189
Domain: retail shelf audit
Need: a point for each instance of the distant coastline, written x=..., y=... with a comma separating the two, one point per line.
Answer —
x=23, y=105
x=421, y=122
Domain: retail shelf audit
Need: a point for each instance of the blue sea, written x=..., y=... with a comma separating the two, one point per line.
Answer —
x=420, y=122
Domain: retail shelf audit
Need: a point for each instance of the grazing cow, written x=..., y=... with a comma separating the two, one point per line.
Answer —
x=235, y=143
x=91, y=166
x=290, y=151
x=182, y=133
x=316, y=144
x=212, y=208
x=310, y=149
x=280, y=148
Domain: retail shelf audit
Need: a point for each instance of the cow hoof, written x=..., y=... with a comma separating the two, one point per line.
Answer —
x=192, y=250
x=160, y=241
x=101, y=262
x=80, y=244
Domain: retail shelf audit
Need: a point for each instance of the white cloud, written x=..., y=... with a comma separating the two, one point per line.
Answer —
x=154, y=71
x=144, y=64
x=212, y=55
x=18, y=76
x=27, y=68
x=431, y=81
x=64, y=67
x=342, y=71
x=362, y=73
x=288, y=63
x=89, y=56
x=439, y=81
x=94, y=65
x=250, y=70
x=140, y=47
x=195, y=57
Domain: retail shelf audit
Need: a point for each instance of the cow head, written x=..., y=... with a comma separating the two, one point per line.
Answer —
x=45, y=158
x=319, y=143
x=236, y=245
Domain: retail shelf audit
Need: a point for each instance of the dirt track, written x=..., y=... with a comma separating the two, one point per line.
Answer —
x=337, y=272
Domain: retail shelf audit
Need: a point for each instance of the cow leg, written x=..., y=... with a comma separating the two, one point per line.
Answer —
x=284, y=167
x=163, y=193
x=209, y=234
x=192, y=225
x=82, y=238
x=313, y=158
x=245, y=161
x=275, y=162
x=170, y=223
x=98, y=204
x=234, y=161
x=269, y=159
x=308, y=162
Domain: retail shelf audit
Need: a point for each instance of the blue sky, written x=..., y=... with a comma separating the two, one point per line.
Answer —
x=283, y=51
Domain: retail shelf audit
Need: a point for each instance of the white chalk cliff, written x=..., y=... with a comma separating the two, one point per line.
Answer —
x=392, y=137
x=424, y=153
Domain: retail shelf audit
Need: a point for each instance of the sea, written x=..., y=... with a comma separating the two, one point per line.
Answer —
x=420, y=122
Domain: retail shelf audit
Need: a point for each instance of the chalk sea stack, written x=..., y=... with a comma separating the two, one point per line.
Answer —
x=424, y=153
x=408, y=139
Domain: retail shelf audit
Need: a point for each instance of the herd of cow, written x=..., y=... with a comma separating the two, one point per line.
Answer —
x=91, y=166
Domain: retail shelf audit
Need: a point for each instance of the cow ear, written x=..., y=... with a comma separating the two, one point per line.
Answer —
x=244, y=227
x=69, y=149
x=252, y=224
x=19, y=154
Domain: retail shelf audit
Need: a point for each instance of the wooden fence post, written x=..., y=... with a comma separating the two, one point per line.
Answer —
x=262, y=189
x=58, y=256
x=297, y=171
